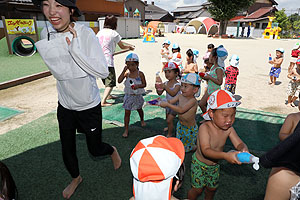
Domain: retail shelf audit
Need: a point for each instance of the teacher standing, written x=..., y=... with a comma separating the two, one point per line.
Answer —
x=73, y=55
x=109, y=38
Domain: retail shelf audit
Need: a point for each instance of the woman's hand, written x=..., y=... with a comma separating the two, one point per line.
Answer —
x=74, y=33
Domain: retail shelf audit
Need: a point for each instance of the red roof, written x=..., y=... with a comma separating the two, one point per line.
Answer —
x=259, y=13
x=237, y=18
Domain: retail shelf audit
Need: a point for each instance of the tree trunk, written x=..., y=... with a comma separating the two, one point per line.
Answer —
x=223, y=27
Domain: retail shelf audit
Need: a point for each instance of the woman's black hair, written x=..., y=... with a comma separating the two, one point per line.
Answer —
x=111, y=22
x=179, y=176
x=210, y=46
x=190, y=53
x=8, y=187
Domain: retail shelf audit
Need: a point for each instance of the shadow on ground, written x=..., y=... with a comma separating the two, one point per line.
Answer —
x=33, y=155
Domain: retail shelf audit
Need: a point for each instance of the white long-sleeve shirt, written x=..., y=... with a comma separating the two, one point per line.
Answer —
x=75, y=66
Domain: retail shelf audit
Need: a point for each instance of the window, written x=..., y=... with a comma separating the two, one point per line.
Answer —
x=264, y=25
x=257, y=25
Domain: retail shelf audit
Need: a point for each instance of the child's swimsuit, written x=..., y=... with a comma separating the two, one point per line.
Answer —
x=169, y=97
x=133, y=99
x=203, y=175
x=212, y=86
x=187, y=135
x=275, y=71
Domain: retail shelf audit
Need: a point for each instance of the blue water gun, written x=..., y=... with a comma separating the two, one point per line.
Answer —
x=245, y=157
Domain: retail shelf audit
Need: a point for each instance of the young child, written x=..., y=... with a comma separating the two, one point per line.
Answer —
x=294, y=84
x=207, y=68
x=165, y=53
x=231, y=74
x=8, y=189
x=294, y=56
x=215, y=75
x=210, y=47
x=176, y=56
x=157, y=167
x=211, y=139
x=186, y=129
x=172, y=88
x=276, y=69
x=134, y=88
x=190, y=66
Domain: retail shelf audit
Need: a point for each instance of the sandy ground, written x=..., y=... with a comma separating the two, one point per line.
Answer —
x=39, y=97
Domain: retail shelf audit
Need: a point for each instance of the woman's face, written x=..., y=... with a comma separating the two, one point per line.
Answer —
x=57, y=14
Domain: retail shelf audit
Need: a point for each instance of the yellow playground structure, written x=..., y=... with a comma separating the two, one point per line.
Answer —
x=149, y=35
x=272, y=30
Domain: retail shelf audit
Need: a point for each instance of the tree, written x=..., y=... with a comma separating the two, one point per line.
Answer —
x=294, y=19
x=283, y=20
x=224, y=10
x=296, y=25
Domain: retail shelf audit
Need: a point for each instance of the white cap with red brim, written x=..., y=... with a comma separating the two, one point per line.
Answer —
x=220, y=99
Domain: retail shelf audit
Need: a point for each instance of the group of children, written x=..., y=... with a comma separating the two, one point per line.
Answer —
x=182, y=89
x=293, y=88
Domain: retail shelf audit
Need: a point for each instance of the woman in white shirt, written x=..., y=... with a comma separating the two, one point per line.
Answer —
x=109, y=38
x=73, y=55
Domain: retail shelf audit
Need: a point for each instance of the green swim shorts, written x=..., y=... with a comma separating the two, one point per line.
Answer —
x=203, y=175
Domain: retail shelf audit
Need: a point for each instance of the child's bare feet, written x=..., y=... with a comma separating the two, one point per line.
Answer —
x=106, y=104
x=270, y=83
x=143, y=123
x=116, y=159
x=125, y=134
x=166, y=129
x=70, y=189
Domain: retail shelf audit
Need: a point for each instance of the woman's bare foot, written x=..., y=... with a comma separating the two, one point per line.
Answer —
x=125, y=134
x=143, y=123
x=166, y=129
x=116, y=159
x=70, y=189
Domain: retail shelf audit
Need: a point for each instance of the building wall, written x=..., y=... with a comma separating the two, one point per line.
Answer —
x=92, y=9
x=131, y=5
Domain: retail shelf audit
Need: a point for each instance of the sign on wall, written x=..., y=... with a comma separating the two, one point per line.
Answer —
x=20, y=26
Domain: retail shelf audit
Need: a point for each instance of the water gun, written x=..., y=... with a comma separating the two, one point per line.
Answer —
x=131, y=84
x=270, y=57
x=245, y=157
x=153, y=102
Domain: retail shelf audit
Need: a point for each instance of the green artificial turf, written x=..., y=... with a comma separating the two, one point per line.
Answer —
x=14, y=67
x=260, y=129
x=33, y=155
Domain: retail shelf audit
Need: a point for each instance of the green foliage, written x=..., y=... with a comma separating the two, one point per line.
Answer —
x=224, y=10
x=283, y=20
x=227, y=9
x=296, y=25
